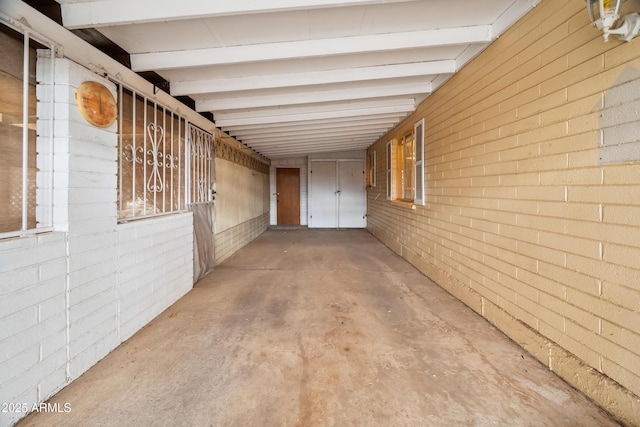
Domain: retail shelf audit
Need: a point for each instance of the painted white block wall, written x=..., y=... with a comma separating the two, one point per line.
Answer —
x=155, y=268
x=33, y=343
x=89, y=161
x=69, y=297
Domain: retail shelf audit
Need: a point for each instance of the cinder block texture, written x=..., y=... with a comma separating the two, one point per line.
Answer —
x=70, y=297
x=533, y=197
x=32, y=320
x=232, y=239
x=155, y=268
x=242, y=203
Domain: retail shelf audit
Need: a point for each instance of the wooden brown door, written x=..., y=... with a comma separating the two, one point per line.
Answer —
x=288, y=195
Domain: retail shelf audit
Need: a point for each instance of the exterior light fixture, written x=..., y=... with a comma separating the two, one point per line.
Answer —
x=604, y=14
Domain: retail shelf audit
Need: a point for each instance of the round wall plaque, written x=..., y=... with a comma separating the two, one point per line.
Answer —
x=96, y=104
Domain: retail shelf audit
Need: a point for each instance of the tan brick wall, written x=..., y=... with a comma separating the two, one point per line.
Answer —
x=525, y=221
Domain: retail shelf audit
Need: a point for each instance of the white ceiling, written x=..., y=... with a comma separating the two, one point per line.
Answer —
x=295, y=77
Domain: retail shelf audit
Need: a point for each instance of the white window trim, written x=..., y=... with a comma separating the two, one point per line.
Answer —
x=373, y=168
x=418, y=197
x=44, y=183
x=389, y=158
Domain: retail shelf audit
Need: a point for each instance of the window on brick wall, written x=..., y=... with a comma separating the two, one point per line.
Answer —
x=405, y=167
x=418, y=131
x=25, y=182
x=389, y=158
x=372, y=169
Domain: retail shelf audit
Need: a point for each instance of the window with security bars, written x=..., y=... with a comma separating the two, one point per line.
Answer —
x=165, y=162
x=153, y=165
x=25, y=174
x=201, y=153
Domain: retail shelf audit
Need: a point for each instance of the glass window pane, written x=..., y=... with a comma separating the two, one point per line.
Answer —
x=11, y=129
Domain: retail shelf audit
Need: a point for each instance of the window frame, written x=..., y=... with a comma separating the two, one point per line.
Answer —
x=397, y=165
x=176, y=159
x=159, y=147
x=200, y=179
x=372, y=169
x=389, y=158
x=42, y=184
x=418, y=158
x=404, y=169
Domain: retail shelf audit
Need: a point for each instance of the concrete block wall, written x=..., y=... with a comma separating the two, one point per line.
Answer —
x=533, y=198
x=155, y=268
x=232, y=239
x=84, y=207
x=242, y=200
x=33, y=321
x=69, y=297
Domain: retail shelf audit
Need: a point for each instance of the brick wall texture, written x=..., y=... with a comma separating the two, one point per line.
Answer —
x=533, y=197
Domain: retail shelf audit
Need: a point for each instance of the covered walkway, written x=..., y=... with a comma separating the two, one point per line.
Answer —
x=315, y=327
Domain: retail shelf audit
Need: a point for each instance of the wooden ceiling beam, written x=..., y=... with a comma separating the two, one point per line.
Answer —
x=310, y=48
x=104, y=13
x=287, y=80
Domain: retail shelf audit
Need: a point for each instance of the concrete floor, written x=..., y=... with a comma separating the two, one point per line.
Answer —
x=315, y=328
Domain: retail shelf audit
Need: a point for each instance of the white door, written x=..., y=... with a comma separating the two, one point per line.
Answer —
x=323, y=194
x=351, y=204
x=337, y=194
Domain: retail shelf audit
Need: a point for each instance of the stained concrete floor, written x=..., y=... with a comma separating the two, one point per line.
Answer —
x=319, y=328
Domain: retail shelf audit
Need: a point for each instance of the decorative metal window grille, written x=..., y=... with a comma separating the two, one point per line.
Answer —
x=201, y=150
x=153, y=167
x=26, y=162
